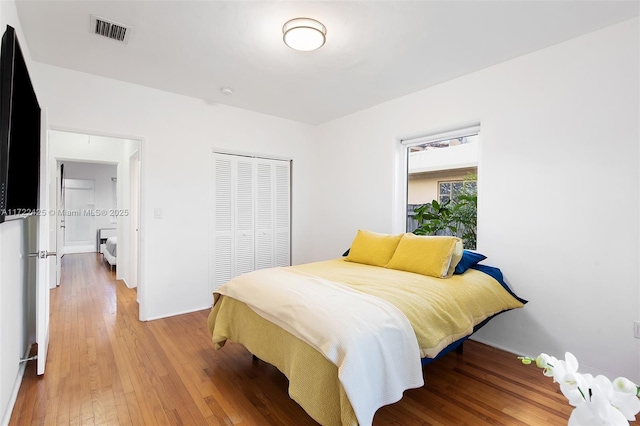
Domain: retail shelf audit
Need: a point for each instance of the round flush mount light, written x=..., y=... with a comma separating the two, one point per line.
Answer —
x=304, y=34
x=226, y=91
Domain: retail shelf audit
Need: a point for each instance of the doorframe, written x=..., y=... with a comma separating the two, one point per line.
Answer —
x=134, y=221
x=86, y=248
x=141, y=287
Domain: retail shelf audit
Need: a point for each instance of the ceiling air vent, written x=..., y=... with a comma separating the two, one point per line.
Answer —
x=110, y=29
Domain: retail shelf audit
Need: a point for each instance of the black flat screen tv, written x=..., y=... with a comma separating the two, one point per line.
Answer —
x=19, y=133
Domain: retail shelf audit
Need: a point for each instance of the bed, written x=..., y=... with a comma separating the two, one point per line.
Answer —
x=111, y=250
x=333, y=327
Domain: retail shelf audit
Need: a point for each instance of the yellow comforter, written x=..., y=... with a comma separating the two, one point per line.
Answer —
x=441, y=311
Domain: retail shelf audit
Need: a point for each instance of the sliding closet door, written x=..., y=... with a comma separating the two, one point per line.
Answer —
x=251, y=215
x=282, y=209
x=243, y=216
x=233, y=218
x=223, y=227
x=264, y=215
x=273, y=210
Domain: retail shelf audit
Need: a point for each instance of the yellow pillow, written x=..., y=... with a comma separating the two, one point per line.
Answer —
x=372, y=248
x=427, y=255
x=456, y=257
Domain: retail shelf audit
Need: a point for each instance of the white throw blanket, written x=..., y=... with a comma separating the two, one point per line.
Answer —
x=370, y=341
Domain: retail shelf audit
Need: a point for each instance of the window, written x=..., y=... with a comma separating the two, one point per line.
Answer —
x=451, y=190
x=441, y=178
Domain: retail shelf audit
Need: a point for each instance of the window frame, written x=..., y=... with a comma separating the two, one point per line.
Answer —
x=402, y=149
x=452, y=182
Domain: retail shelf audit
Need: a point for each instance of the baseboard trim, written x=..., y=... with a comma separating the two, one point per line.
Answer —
x=494, y=345
x=177, y=313
x=16, y=388
x=127, y=284
x=79, y=249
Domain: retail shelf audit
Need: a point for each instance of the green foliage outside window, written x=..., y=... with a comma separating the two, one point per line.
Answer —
x=457, y=215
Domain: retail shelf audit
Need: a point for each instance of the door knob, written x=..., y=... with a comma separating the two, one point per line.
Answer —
x=43, y=254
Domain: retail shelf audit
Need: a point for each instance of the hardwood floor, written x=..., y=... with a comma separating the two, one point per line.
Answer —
x=107, y=368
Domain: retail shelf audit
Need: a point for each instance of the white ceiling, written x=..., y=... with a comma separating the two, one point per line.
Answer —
x=375, y=50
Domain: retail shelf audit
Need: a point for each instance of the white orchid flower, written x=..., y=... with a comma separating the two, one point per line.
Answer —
x=625, y=401
x=547, y=363
x=597, y=401
x=543, y=360
x=627, y=404
x=597, y=411
x=625, y=385
x=572, y=384
x=575, y=387
x=565, y=369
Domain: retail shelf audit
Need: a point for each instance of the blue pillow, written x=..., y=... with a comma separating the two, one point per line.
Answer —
x=469, y=258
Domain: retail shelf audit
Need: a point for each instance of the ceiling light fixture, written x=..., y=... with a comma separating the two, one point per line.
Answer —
x=304, y=34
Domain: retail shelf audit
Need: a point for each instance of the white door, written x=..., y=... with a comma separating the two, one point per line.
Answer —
x=273, y=213
x=54, y=280
x=264, y=215
x=59, y=219
x=43, y=261
x=80, y=222
x=233, y=218
x=243, y=215
x=282, y=213
x=222, y=259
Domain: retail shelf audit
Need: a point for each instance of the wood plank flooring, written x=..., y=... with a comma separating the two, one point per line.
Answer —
x=107, y=368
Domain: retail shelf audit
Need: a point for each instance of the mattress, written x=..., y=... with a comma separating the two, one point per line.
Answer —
x=112, y=245
x=111, y=250
x=441, y=311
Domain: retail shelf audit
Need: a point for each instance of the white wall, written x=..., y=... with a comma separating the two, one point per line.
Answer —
x=15, y=310
x=179, y=133
x=558, y=189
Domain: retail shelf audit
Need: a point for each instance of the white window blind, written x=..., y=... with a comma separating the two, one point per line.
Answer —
x=444, y=134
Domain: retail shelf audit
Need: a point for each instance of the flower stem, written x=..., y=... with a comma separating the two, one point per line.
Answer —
x=582, y=393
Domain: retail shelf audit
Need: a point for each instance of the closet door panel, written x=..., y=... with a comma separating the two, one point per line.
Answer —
x=282, y=209
x=264, y=214
x=244, y=215
x=222, y=265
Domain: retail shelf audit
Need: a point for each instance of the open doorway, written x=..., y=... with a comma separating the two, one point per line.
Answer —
x=113, y=208
x=89, y=205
